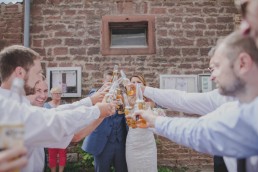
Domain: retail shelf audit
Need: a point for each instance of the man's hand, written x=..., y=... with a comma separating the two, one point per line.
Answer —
x=97, y=97
x=12, y=159
x=147, y=115
x=106, y=109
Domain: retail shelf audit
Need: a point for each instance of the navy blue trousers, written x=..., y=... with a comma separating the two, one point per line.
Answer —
x=112, y=155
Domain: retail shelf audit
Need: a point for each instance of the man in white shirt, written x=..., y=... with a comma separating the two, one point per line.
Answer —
x=43, y=127
x=230, y=130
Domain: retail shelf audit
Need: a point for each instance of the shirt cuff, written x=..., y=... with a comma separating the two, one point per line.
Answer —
x=96, y=112
x=87, y=102
x=148, y=92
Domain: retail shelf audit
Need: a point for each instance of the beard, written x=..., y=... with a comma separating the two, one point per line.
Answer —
x=236, y=87
x=28, y=90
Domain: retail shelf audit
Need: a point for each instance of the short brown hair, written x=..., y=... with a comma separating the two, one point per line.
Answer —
x=15, y=56
x=237, y=43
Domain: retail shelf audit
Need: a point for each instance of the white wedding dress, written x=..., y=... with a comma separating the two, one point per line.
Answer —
x=141, y=151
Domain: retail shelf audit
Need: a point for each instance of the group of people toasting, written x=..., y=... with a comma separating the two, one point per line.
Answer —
x=227, y=128
x=117, y=141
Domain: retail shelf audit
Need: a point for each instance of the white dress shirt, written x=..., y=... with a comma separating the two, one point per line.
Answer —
x=47, y=127
x=197, y=103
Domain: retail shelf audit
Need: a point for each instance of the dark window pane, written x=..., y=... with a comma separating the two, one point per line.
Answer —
x=128, y=35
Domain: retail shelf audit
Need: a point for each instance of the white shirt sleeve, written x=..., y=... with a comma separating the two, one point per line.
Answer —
x=83, y=102
x=194, y=103
x=47, y=126
x=229, y=131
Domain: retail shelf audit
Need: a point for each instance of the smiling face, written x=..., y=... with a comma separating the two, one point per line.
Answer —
x=41, y=94
x=223, y=72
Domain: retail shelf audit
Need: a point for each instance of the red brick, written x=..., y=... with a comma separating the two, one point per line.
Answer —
x=176, y=10
x=50, y=12
x=167, y=52
x=65, y=58
x=223, y=33
x=193, y=10
x=90, y=41
x=201, y=26
x=186, y=66
x=205, y=3
x=176, y=33
x=93, y=51
x=36, y=11
x=231, y=10
x=12, y=36
x=177, y=19
x=209, y=33
x=55, y=2
x=78, y=51
x=70, y=12
x=51, y=42
x=190, y=51
x=202, y=42
x=52, y=64
x=73, y=42
x=211, y=20
x=36, y=29
x=60, y=51
x=217, y=26
x=63, y=34
x=194, y=19
x=90, y=66
x=37, y=43
x=204, y=51
x=164, y=42
x=210, y=10
x=65, y=65
x=183, y=42
x=187, y=26
x=225, y=19
x=158, y=11
x=49, y=27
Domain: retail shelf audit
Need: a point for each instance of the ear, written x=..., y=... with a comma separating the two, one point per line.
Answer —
x=245, y=63
x=19, y=72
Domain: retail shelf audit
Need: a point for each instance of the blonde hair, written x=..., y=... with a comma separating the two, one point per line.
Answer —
x=55, y=90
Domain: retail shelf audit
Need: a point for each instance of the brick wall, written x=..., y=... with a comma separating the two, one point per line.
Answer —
x=67, y=33
x=11, y=24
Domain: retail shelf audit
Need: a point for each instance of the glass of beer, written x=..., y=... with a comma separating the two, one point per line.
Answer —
x=141, y=123
x=11, y=135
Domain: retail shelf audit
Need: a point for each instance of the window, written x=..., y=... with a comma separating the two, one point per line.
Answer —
x=122, y=35
x=66, y=78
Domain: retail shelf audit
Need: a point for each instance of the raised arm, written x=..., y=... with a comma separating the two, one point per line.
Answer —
x=193, y=103
x=228, y=131
x=48, y=126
